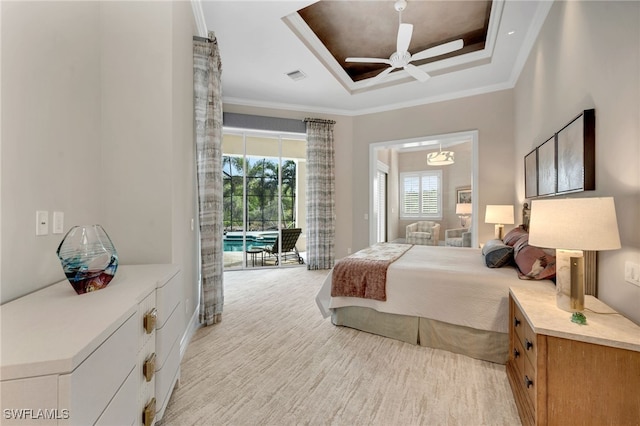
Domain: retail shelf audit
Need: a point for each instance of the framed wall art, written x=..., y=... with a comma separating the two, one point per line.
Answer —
x=565, y=162
x=531, y=174
x=576, y=154
x=547, y=167
x=463, y=195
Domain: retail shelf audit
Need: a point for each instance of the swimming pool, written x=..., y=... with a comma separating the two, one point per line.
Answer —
x=233, y=240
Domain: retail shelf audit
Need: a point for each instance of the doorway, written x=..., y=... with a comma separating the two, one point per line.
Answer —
x=463, y=174
x=263, y=196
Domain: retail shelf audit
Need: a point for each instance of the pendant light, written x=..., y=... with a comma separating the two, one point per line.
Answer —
x=440, y=158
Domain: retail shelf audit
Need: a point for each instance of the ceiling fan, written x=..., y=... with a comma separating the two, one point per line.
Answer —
x=401, y=58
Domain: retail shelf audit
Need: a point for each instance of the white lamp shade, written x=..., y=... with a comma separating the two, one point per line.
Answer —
x=574, y=224
x=463, y=208
x=500, y=214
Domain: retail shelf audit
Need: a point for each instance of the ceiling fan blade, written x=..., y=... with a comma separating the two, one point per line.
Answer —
x=379, y=77
x=369, y=60
x=417, y=73
x=438, y=50
x=404, y=37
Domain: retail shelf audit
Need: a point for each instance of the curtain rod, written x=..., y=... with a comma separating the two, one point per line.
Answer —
x=204, y=39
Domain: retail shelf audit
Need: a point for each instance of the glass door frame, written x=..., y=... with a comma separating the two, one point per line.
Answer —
x=279, y=137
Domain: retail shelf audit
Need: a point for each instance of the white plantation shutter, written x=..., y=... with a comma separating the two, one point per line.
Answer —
x=410, y=195
x=430, y=195
x=421, y=195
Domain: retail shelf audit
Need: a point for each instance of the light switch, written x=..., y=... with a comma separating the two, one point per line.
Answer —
x=42, y=222
x=58, y=222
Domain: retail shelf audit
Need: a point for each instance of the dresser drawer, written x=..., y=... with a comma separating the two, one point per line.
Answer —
x=90, y=387
x=167, y=335
x=528, y=380
x=166, y=377
x=167, y=298
x=524, y=334
x=31, y=393
x=122, y=409
x=518, y=356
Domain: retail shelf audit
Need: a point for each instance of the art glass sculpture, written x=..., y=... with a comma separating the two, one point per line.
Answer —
x=88, y=257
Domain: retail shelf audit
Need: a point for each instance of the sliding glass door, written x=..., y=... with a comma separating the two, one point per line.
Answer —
x=262, y=182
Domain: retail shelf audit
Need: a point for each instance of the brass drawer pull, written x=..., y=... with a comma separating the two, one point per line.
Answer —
x=516, y=322
x=150, y=320
x=528, y=344
x=149, y=367
x=149, y=413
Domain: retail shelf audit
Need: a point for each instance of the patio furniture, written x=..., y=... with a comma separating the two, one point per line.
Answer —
x=253, y=254
x=289, y=239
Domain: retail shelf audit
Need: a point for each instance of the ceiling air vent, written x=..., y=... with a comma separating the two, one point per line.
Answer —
x=296, y=75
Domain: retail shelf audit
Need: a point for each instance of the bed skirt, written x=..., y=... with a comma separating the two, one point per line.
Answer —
x=480, y=344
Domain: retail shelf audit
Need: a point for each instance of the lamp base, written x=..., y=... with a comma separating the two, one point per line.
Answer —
x=498, y=231
x=570, y=280
x=579, y=318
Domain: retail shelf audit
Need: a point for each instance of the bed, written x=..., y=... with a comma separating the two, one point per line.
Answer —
x=440, y=297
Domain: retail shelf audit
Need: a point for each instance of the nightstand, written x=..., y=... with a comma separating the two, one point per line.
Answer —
x=564, y=373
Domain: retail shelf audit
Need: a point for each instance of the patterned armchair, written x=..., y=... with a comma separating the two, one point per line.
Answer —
x=425, y=233
x=458, y=237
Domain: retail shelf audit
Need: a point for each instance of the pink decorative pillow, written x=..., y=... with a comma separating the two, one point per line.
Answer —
x=514, y=235
x=533, y=263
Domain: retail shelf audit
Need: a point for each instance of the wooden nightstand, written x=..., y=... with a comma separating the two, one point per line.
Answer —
x=564, y=373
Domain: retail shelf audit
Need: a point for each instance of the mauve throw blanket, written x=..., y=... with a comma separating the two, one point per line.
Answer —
x=364, y=273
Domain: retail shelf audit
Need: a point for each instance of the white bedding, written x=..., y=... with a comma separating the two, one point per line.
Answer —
x=448, y=284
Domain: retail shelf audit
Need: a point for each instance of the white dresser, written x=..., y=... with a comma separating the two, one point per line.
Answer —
x=110, y=357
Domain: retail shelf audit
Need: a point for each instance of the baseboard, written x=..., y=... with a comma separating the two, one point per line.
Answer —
x=189, y=331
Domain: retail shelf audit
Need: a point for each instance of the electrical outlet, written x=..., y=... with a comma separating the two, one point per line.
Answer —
x=42, y=222
x=632, y=273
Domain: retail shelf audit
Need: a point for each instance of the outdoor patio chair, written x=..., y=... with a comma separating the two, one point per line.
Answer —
x=289, y=240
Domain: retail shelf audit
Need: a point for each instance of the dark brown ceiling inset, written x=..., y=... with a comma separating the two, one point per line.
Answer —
x=370, y=28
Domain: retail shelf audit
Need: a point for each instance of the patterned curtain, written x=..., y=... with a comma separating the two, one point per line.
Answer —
x=321, y=216
x=208, y=134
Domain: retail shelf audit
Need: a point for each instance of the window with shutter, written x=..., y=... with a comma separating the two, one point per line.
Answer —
x=421, y=195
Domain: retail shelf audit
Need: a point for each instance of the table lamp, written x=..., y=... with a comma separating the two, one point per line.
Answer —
x=500, y=215
x=464, y=211
x=570, y=226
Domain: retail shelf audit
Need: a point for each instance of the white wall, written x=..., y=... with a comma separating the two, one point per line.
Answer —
x=588, y=56
x=51, y=136
x=97, y=123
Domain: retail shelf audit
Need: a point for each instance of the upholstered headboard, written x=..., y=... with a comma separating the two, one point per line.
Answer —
x=526, y=216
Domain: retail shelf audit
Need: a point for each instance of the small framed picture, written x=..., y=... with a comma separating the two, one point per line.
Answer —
x=531, y=174
x=463, y=195
x=547, y=167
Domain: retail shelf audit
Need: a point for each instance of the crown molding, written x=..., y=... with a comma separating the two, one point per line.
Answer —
x=529, y=40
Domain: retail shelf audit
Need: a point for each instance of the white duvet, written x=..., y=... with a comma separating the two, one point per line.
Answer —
x=449, y=284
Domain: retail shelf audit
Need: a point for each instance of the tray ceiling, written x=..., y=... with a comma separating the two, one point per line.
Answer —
x=262, y=42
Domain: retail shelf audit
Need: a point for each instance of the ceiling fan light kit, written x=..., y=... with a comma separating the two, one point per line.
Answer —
x=401, y=58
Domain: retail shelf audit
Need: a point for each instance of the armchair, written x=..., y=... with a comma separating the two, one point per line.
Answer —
x=424, y=232
x=458, y=237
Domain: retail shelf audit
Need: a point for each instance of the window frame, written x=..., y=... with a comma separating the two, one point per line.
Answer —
x=420, y=215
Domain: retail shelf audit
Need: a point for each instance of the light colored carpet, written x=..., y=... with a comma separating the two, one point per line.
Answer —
x=273, y=360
